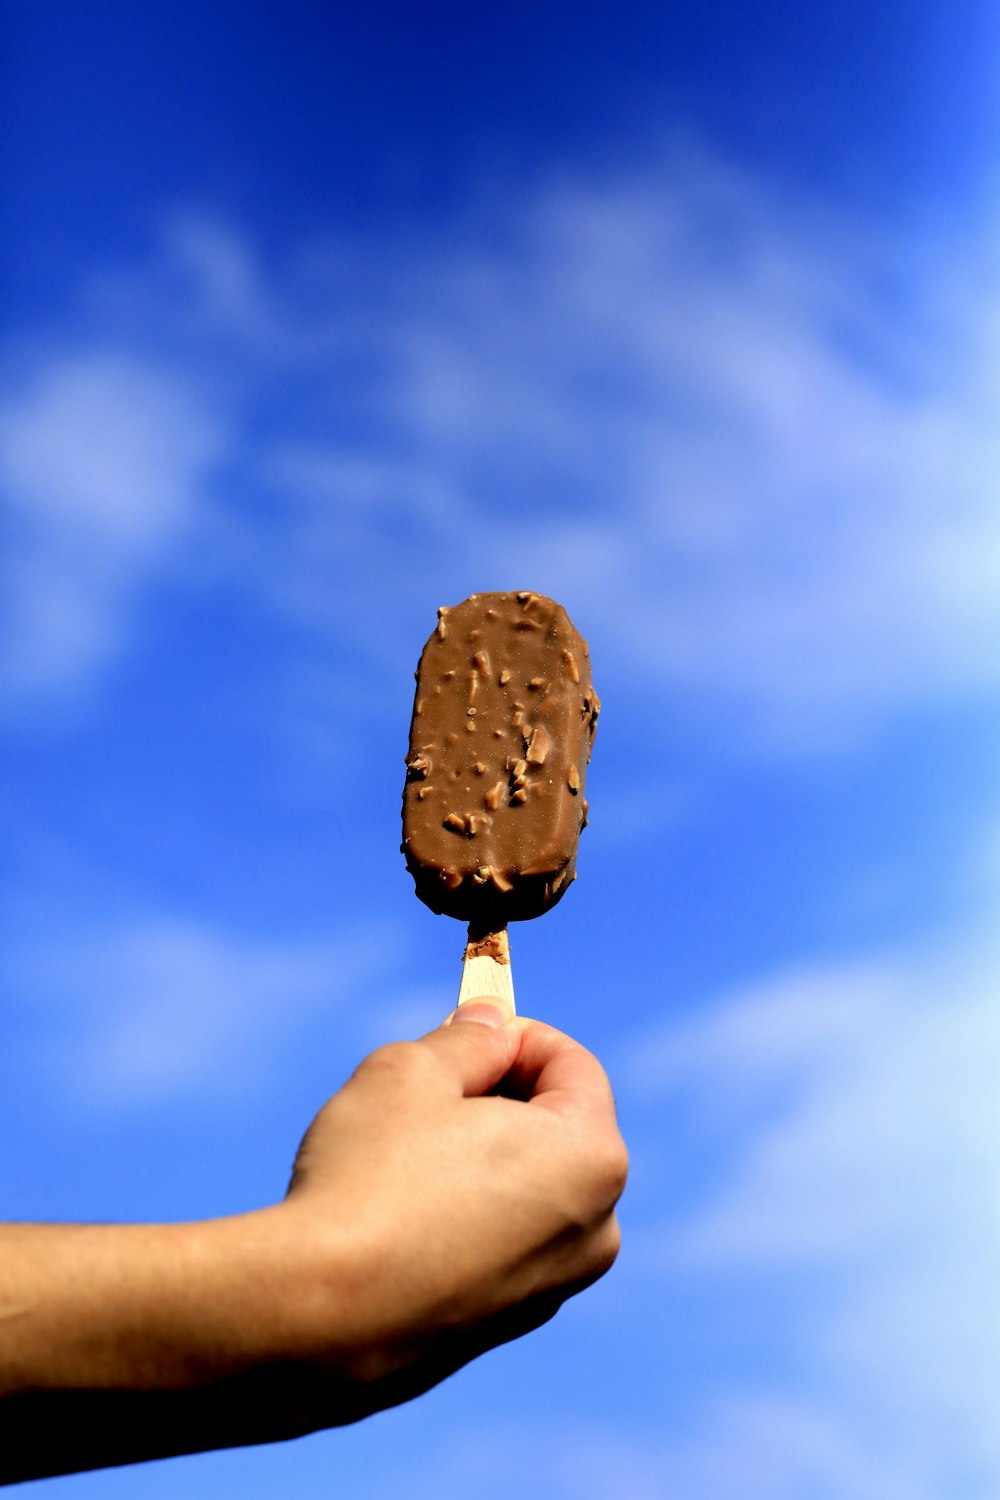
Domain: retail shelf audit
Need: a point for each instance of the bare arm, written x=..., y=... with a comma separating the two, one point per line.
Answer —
x=429, y=1219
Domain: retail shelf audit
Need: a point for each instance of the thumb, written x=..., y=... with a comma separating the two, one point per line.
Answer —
x=477, y=1044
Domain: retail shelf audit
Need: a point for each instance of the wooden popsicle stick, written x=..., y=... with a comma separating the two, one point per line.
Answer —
x=486, y=971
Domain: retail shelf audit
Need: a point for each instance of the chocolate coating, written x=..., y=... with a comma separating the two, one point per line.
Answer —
x=503, y=724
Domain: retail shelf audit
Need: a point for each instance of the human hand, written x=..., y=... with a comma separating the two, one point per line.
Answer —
x=452, y=1195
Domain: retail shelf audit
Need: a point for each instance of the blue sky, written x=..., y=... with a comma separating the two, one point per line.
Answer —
x=318, y=318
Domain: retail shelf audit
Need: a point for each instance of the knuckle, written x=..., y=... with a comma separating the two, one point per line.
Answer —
x=606, y=1246
x=595, y=1252
x=609, y=1165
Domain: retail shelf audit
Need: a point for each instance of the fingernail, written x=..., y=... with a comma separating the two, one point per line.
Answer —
x=482, y=1011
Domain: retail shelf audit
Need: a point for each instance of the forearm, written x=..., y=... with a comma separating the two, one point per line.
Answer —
x=123, y=1343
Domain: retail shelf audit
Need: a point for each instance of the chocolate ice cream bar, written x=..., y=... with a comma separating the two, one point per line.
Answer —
x=502, y=729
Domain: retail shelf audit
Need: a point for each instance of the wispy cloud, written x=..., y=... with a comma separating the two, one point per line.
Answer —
x=849, y=1115
x=105, y=457
x=740, y=1449
x=751, y=443
x=159, y=1010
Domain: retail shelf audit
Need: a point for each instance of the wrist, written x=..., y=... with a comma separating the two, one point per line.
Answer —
x=261, y=1307
x=318, y=1346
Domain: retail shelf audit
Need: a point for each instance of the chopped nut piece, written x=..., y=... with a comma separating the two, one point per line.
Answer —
x=540, y=745
x=482, y=875
x=537, y=682
x=422, y=792
x=456, y=822
x=573, y=780
x=500, y=881
x=494, y=796
x=591, y=709
x=523, y=596
x=517, y=719
x=479, y=768
x=481, y=662
x=504, y=676
x=470, y=726
x=478, y=823
x=418, y=767
x=452, y=879
x=519, y=796
x=570, y=660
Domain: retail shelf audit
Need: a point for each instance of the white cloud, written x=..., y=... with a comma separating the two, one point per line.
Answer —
x=692, y=409
x=104, y=458
x=155, y=1010
x=850, y=1117
x=859, y=1101
x=740, y=1448
x=784, y=503
x=752, y=444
